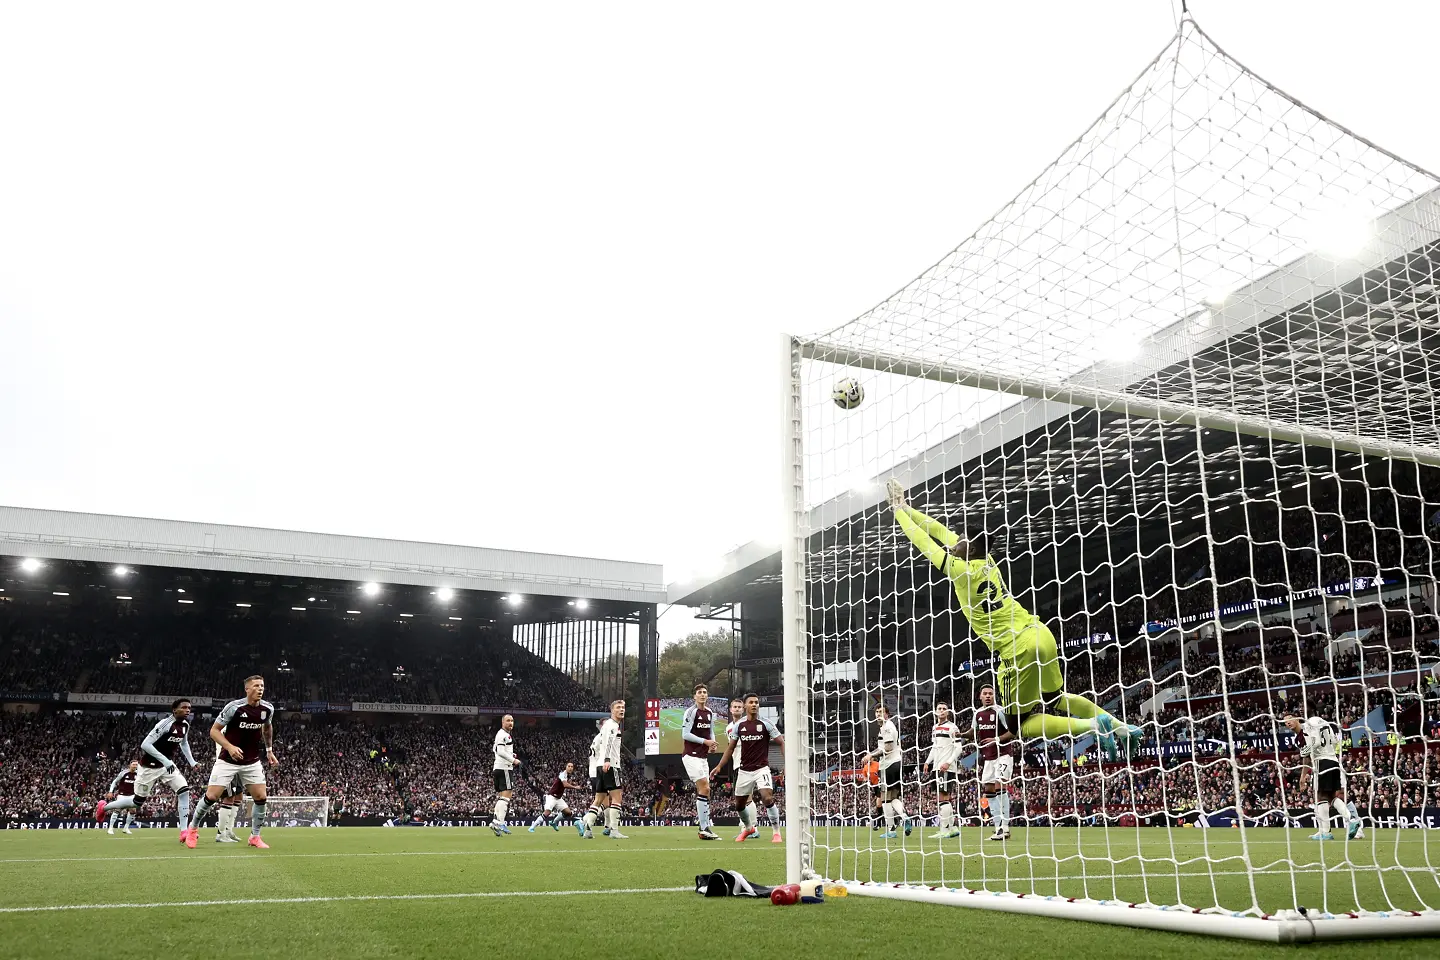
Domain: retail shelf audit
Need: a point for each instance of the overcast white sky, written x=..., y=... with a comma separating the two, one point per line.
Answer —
x=398, y=270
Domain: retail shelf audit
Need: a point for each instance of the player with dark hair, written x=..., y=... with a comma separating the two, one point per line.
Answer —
x=557, y=808
x=944, y=758
x=751, y=747
x=744, y=810
x=887, y=754
x=1320, y=744
x=157, y=763
x=1032, y=690
x=992, y=732
x=121, y=788
x=244, y=729
x=696, y=731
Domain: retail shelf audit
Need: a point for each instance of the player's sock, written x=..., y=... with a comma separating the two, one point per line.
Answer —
x=947, y=816
x=257, y=818
x=613, y=818
x=1322, y=817
x=702, y=812
x=1344, y=813
x=1000, y=810
x=114, y=818
x=592, y=817
x=129, y=818
x=1050, y=726
x=502, y=807
x=540, y=818
x=774, y=812
x=1354, y=814
x=899, y=806
x=202, y=807
x=225, y=820
x=889, y=809
x=121, y=803
x=182, y=807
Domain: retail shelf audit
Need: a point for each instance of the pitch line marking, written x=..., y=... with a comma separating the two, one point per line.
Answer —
x=358, y=898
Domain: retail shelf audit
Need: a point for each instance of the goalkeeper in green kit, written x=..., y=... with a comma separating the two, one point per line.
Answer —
x=1028, y=663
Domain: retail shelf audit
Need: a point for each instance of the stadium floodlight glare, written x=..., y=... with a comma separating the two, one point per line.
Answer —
x=298, y=608
x=59, y=593
x=1087, y=344
x=1342, y=234
x=179, y=589
x=582, y=604
x=352, y=611
x=187, y=601
x=30, y=565
x=445, y=594
x=407, y=614
x=309, y=599
x=242, y=604
x=122, y=571
x=124, y=598
x=514, y=599
x=454, y=618
x=371, y=589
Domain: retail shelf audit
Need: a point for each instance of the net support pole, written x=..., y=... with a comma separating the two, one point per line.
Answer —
x=1112, y=401
x=793, y=627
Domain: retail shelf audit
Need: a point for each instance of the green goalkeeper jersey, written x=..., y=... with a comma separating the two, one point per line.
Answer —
x=996, y=617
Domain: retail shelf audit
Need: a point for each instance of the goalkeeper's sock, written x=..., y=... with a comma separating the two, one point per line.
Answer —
x=202, y=807
x=257, y=817
x=502, y=806
x=1322, y=817
x=225, y=819
x=592, y=817
x=1344, y=812
x=1077, y=706
x=182, y=807
x=702, y=812
x=121, y=803
x=947, y=815
x=1051, y=727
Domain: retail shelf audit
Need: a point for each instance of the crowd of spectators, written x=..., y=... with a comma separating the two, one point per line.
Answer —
x=59, y=763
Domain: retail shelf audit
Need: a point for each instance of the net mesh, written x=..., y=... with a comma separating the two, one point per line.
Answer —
x=1212, y=243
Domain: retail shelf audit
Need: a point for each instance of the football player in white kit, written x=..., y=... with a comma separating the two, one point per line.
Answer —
x=1319, y=742
x=887, y=754
x=504, y=774
x=943, y=758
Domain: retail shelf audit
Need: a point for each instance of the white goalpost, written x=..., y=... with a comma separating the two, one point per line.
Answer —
x=1178, y=400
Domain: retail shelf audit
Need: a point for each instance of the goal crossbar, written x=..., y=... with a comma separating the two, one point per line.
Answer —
x=1113, y=401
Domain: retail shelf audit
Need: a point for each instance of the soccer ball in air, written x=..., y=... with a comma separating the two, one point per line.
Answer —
x=848, y=394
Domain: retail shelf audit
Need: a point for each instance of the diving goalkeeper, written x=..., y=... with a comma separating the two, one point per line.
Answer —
x=1028, y=664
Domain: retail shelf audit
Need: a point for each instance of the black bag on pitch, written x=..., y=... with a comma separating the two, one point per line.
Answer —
x=729, y=883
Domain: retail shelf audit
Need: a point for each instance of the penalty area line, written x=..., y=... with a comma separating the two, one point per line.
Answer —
x=356, y=898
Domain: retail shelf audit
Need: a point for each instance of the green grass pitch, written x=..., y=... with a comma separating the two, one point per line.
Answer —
x=450, y=892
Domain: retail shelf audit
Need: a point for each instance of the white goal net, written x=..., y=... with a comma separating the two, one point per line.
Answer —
x=289, y=812
x=1167, y=435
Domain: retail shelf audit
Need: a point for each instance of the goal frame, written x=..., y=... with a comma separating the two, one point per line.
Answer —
x=1288, y=927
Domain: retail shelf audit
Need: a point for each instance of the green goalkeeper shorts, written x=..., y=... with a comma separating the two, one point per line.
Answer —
x=1032, y=673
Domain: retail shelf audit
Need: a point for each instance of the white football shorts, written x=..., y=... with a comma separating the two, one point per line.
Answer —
x=147, y=777
x=224, y=771
x=749, y=781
